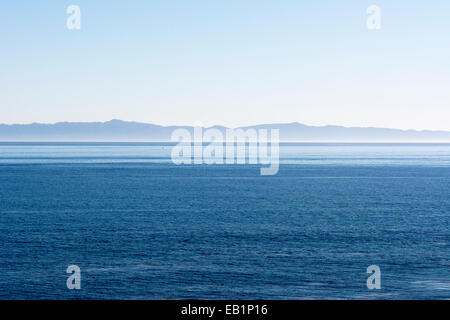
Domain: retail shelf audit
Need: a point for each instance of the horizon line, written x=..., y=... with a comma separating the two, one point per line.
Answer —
x=225, y=141
x=218, y=125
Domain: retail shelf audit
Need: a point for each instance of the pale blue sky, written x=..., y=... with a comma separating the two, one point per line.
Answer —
x=234, y=62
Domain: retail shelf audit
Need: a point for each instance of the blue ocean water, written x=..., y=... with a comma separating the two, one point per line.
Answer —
x=140, y=227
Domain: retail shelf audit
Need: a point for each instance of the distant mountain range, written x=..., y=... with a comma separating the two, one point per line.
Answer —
x=117, y=130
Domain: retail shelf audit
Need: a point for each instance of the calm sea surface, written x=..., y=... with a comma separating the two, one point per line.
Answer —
x=140, y=227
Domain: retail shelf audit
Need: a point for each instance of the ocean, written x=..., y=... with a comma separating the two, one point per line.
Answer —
x=141, y=227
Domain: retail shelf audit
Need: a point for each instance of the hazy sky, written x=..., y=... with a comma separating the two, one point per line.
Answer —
x=229, y=62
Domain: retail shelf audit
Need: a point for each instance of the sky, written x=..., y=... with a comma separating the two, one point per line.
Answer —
x=230, y=62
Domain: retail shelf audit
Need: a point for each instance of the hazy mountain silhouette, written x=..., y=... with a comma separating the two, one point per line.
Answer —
x=117, y=130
